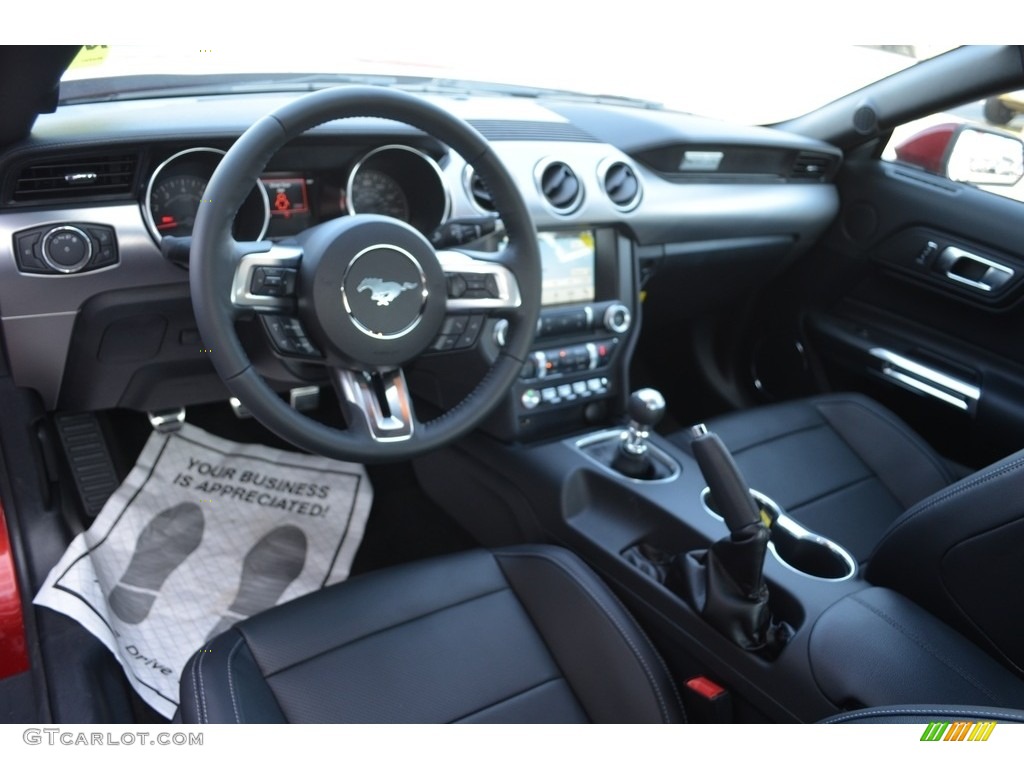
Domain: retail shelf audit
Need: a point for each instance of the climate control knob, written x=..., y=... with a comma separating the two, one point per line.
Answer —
x=617, y=318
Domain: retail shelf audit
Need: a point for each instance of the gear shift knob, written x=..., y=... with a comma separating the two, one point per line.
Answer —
x=646, y=407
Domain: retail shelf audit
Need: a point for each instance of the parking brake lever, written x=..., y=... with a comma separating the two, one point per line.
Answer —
x=728, y=488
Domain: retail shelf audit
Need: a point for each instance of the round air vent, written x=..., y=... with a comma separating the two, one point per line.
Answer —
x=620, y=183
x=478, y=191
x=559, y=185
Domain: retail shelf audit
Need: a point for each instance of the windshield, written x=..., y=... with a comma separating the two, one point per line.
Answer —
x=752, y=84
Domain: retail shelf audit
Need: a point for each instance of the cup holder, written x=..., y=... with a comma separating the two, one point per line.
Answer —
x=794, y=546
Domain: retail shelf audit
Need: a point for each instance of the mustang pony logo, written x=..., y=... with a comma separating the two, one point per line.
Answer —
x=383, y=291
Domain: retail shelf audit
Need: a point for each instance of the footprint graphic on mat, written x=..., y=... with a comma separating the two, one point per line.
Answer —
x=270, y=566
x=164, y=544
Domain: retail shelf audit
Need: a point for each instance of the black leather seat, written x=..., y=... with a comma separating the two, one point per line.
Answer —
x=843, y=465
x=920, y=714
x=525, y=634
x=849, y=469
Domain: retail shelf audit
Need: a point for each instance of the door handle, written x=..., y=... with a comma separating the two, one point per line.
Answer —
x=970, y=269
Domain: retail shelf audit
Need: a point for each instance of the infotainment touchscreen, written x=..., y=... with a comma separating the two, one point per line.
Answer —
x=567, y=260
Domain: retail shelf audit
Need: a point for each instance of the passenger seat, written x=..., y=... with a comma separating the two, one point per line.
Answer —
x=843, y=465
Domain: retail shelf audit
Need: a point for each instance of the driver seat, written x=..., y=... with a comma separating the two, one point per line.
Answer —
x=525, y=634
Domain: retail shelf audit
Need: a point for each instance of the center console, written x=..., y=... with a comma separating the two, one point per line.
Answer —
x=841, y=643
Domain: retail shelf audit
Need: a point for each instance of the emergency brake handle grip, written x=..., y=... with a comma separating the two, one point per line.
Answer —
x=729, y=490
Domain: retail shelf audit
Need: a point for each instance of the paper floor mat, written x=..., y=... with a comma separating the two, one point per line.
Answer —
x=203, y=533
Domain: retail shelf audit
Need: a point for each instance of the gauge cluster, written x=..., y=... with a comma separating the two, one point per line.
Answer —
x=392, y=180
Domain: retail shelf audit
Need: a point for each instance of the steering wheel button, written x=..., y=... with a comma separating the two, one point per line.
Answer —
x=468, y=338
x=455, y=324
x=444, y=342
x=272, y=281
x=491, y=286
x=456, y=286
x=465, y=341
x=285, y=344
x=303, y=344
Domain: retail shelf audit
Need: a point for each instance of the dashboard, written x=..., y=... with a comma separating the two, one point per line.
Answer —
x=94, y=305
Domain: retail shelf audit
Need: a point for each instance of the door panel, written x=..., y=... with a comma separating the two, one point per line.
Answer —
x=914, y=296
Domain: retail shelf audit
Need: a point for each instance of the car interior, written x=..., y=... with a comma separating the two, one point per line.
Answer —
x=667, y=419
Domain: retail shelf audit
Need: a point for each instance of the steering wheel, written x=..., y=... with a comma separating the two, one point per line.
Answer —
x=363, y=294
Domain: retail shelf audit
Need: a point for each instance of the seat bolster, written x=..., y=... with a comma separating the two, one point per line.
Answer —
x=957, y=554
x=227, y=689
x=877, y=647
x=616, y=674
x=926, y=713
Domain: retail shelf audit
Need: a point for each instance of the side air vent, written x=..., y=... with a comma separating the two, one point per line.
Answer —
x=620, y=183
x=559, y=185
x=478, y=191
x=812, y=166
x=60, y=179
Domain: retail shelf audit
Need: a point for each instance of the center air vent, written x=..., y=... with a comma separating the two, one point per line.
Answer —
x=478, y=191
x=620, y=183
x=559, y=185
x=812, y=166
x=77, y=178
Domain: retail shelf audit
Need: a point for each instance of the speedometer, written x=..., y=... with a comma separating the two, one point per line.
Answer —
x=398, y=181
x=374, y=191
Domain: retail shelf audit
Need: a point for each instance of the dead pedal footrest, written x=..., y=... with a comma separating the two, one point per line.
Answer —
x=89, y=459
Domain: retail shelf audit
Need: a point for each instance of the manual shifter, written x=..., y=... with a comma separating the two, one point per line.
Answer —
x=725, y=582
x=645, y=409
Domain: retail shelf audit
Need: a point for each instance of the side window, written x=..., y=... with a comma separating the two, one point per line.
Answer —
x=978, y=144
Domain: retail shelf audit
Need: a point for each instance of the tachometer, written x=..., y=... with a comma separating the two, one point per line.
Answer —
x=373, y=191
x=174, y=203
x=176, y=191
